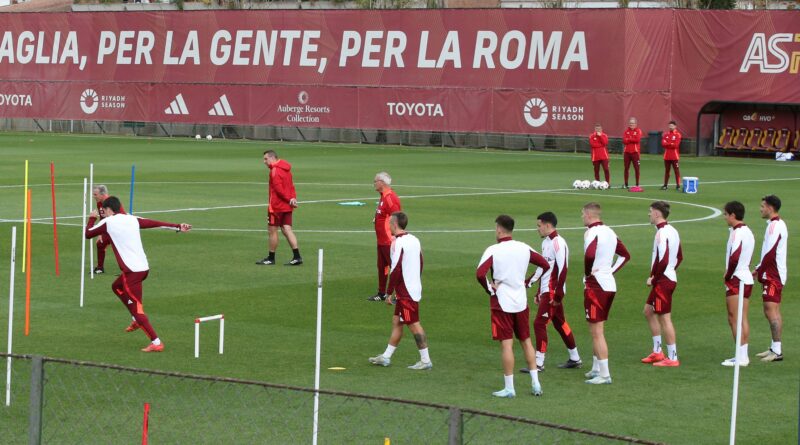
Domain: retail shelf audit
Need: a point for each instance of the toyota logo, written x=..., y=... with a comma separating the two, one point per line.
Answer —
x=89, y=101
x=538, y=106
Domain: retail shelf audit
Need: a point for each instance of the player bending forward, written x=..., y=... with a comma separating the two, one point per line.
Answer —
x=508, y=262
x=127, y=245
x=405, y=282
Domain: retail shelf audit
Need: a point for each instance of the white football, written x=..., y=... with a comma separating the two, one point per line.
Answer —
x=576, y=184
x=604, y=185
x=585, y=184
x=209, y=137
x=595, y=184
x=197, y=136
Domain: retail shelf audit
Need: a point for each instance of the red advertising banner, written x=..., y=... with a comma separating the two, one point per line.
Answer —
x=499, y=71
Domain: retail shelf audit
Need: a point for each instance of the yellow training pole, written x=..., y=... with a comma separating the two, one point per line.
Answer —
x=24, y=217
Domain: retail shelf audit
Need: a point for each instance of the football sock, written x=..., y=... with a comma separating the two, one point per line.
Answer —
x=534, y=376
x=573, y=355
x=539, y=358
x=423, y=355
x=296, y=253
x=509, y=379
x=101, y=257
x=271, y=256
x=656, y=343
x=604, y=368
x=595, y=364
x=389, y=351
x=157, y=341
x=672, y=352
x=776, y=347
x=743, y=352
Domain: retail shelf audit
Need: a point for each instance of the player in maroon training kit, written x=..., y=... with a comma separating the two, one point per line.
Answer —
x=127, y=245
x=388, y=204
x=671, y=141
x=599, y=143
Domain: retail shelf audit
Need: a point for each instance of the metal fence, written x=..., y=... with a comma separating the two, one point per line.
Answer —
x=555, y=143
x=70, y=402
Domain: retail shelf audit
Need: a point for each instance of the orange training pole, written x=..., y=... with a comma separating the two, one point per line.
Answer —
x=28, y=273
x=53, y=198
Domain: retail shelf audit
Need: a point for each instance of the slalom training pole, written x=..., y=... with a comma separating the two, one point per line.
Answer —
x=53, y=199
x=10, y=311
x=319, y=349
x=146, y=423
x=24, y=215
x=28, y=273
x=83, y=242
x=737, y=358
x=133, y=180
x=91, y=193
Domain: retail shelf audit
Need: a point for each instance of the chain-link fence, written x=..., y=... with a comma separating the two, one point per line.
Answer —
x=69, y=402
x=651, y=142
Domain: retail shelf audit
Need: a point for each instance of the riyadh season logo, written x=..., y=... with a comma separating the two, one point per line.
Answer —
x=537, y=112
x=90, y=101
x=302, y=97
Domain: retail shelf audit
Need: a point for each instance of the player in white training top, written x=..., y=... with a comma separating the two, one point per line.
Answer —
x=738, y=254
x=600, y=244
x=667, y=256
x=508, y=261
x=405, y=282
x=771, y=273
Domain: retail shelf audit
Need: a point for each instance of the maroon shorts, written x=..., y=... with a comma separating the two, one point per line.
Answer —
x=732, y=288
x=597, y=304
x=631, y=156
x=772, y=291
x=408, y=310
x=280, y=219
x=506, y=325
x=661, y=296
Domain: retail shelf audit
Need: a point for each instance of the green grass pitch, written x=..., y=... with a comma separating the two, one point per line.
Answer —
x=452, y=197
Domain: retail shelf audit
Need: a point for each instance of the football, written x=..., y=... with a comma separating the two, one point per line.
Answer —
x=576, y=184
x=585, y=184
x=595, y=185
x=603, y=185
x=197, y=136
x=209, y=137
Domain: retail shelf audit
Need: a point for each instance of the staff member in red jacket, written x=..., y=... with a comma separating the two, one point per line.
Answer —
x=282, y=201
x=599, y=143
x=671, y=141
x=631, y=138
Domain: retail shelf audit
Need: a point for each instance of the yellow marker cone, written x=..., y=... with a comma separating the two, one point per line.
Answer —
x=386, y=441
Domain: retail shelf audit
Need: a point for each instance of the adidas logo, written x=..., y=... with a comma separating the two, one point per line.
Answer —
x=177, y=106
x=221, y=108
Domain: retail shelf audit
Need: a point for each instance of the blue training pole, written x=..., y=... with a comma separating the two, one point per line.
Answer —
x=133, y=180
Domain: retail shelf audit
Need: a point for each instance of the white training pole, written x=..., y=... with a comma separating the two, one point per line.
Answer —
x=91, y=193
x=10, y=312
x=83, y=242
x=221, y=334
x=319, y=348
x=196, y=338
x=737, y=359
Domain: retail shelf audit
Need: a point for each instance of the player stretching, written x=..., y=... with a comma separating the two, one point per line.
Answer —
x=508, y=262
x=771, y=273
x=550, y=297
x=126, y=242
x=600, y=243
x=405, y=281
x=671, y=142
x=388, y=204
x=100, y=193
x=738, y=254
x=667, y=256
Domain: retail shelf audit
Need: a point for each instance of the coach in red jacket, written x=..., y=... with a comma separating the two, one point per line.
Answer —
x=599, y=143
x=671, y=141
x=631, y=139
x=282, y=201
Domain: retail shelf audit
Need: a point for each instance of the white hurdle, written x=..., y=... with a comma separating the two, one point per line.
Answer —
x=197, y=321
x=83, y=241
